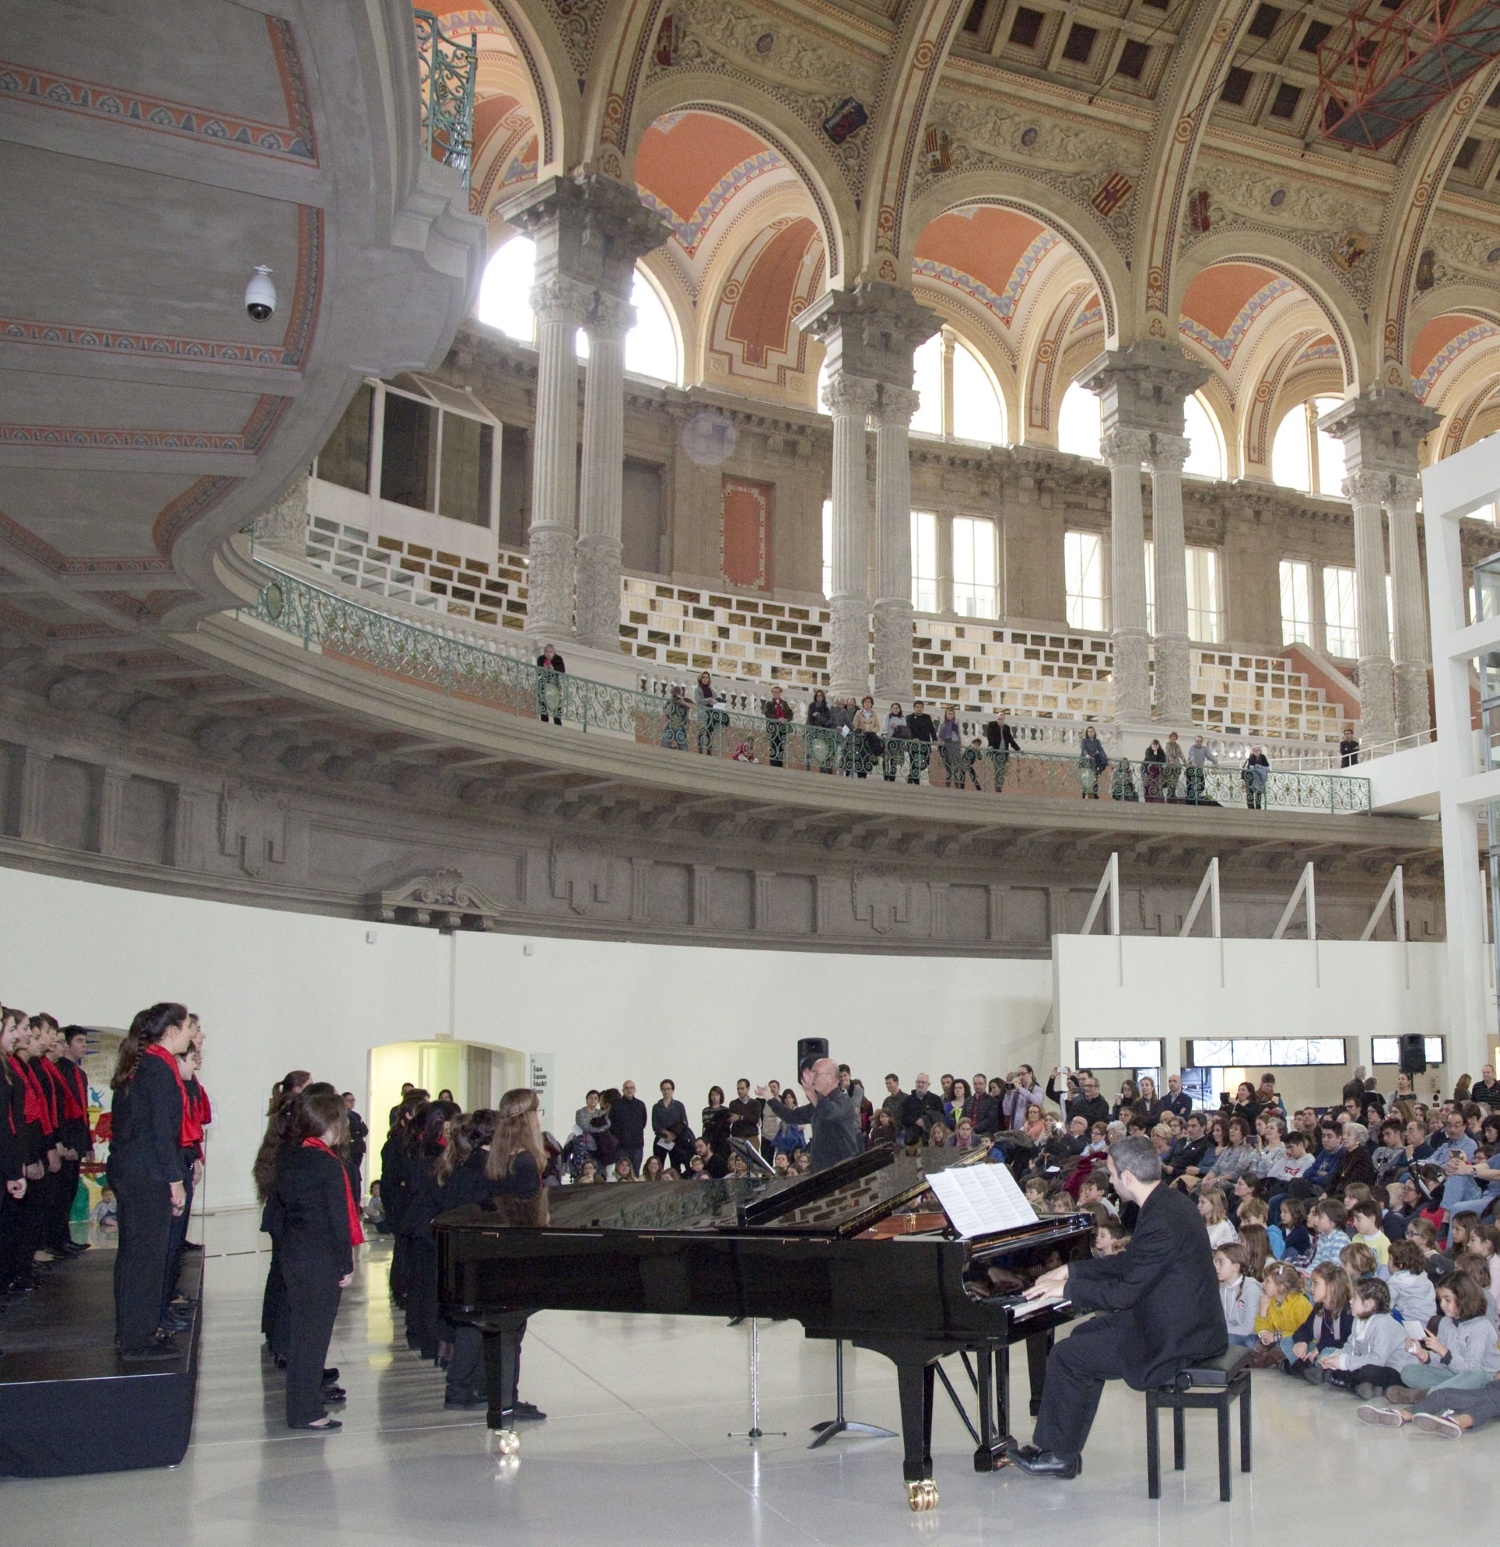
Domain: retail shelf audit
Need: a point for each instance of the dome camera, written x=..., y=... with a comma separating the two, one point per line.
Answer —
x=260, y=294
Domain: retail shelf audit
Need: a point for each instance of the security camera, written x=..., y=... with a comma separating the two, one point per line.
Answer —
x=260, y=294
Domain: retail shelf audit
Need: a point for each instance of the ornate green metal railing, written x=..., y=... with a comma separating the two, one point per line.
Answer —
x=349, y=630
x=445, y=76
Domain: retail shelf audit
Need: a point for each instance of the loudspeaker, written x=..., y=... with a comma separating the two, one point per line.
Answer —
x=1413, y=1053
x=811, y=1049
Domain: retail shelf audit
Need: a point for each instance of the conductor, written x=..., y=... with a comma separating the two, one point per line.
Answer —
x=834, y=1120
x=1161, y=1312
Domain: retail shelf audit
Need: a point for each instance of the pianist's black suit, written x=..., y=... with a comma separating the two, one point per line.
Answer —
x=1163, y=1312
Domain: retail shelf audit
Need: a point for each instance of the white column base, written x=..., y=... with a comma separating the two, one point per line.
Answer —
x=893, y=635
x=549, y=584
x=849, y=647
x=1413, y=712
x=1174, y=681
x=598, y=582
x=1377, y=723
x=1132, y=676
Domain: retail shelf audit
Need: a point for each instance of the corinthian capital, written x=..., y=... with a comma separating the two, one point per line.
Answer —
x=895, y=407
x=1367, y=488
x=1126, y=448
x=1168, y=453
x=608, y=317
x=845, y=396
x=561, y=300
x=1404, y=492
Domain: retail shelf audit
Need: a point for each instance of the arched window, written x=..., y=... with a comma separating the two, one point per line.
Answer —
x=1305, y=457
x=1206, y=444
x=1078, y=423
x=651, y=347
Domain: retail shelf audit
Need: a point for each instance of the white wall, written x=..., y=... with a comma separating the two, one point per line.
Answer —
x=1143, y=986
x=279, y=991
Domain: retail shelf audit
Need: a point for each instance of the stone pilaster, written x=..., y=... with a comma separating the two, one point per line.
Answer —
x=893, y=605
x=600, y=497
x=1174, y=661
x=282, y=526
x=850, y=400
x=1124, y=451
x=1365, y=492
x=1413, y=646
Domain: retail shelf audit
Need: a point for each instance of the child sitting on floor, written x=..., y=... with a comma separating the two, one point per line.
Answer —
x=1413, y=1298
x=1462, y=1352
x=1283, y=1308
x=1366, y=1216
x=1375, y=1354
x=1214, y=1208
x=1257, y=1249
x=1253, y=1211
x=1329, y=1324
x=1326, y=1220
x=1297, y=1238
x=1238, y=1295
x=1435, y=1265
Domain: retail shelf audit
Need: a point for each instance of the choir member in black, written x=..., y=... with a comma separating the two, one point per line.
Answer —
x=57, y=1238
x=463, y=1179
x=45, y=1152
x=318, y=1228
x=273, y=1301
x=16, y=1141
x=78, y=1139
x=427, y=1138
x=393, y=1186
x=146, y=1173
x=517, y=1160
x=359, y=1134
x=174, y=1307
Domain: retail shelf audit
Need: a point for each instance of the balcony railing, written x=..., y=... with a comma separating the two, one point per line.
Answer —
x=351, y=631
x=445, y=77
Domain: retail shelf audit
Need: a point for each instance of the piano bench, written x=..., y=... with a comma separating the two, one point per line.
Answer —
x=1217, y=1383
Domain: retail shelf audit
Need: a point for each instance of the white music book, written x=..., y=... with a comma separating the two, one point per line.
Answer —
x=979, y=1200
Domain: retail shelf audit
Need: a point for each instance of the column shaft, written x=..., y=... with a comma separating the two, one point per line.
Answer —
x=1174, y=666
x=1365, y=492
x=893, y=606
x=1124, y=451
x=850, y=400
x=559, y=307
x=601, y=496
x=1413, y=711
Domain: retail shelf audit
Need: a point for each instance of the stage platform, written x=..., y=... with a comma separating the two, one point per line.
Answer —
x=68, y=1405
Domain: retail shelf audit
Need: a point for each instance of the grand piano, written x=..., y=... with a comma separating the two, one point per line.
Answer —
x=847, y=1252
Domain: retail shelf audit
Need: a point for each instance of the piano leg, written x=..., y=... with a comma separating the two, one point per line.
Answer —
x=502, y=1350
x=1037, y=1349
x=914, y=1380
x=994, y=1405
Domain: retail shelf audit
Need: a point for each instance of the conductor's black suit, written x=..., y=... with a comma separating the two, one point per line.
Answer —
x=1162, y=1314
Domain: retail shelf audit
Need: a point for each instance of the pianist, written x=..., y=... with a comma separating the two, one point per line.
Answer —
x=1161, y=1310
x=833, y=1116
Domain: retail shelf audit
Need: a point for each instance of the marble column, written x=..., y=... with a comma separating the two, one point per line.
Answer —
x=1365, y=492
x=893, y=608
x=560, y=306
x=1124, y=451
x=1174, y=662
x=601, y=494
x=851, y=400
x=1413, y=711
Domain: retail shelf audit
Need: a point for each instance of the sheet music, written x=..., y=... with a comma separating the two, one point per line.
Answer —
x=980, y=1200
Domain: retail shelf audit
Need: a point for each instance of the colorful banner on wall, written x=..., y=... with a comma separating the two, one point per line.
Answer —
x=745, y=533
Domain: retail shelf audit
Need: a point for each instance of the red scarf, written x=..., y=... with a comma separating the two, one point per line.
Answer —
x=38, y=1109
x=203, y=1112
x=186, y=1137
x=75, y=1095
x=356, y=1234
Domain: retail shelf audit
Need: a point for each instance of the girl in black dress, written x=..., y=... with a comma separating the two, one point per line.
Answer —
x=463, y=1180
x=146, y=1172
x=317, y=1229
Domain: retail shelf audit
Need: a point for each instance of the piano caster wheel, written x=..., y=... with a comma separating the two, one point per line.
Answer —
x=505, y=1442
x=921, y=1496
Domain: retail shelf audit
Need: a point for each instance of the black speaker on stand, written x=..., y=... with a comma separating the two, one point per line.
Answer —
x=811, y=1049
x=1413, y=1053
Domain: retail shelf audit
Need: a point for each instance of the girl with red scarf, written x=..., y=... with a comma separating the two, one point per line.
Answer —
x=146, y=1172
x=315, y=1221
x=18, y=1139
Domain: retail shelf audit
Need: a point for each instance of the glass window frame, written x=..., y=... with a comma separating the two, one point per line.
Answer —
x=1379, y=1044
x=1073, y=615
x=441, y=398
x=1243, y=1053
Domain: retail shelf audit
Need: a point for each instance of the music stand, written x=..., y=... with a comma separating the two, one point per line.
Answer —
x=839, y=1424
x=755, y=1432
x=752, y=1157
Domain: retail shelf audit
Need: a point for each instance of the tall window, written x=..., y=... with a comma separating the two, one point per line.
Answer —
x=1083, y=568
x=1296, y=602
x=651, y=346
x=1305, y=457
x=924, y=561
x=1205, y=619
x=1340, y=613
x=1205, y=443
x=976, y=592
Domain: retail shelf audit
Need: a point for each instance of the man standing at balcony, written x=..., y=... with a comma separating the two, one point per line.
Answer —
x=923, y=734
x=779, y=714
x=549, y=667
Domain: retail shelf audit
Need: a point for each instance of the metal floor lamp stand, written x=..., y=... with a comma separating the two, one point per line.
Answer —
x=838, y=1424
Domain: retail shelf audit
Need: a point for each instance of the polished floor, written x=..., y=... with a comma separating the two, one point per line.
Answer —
x=637, y=1449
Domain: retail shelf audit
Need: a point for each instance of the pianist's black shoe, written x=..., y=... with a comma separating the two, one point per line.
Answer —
x=1042, y=1463
x=466, y=1399
x=528, y=1412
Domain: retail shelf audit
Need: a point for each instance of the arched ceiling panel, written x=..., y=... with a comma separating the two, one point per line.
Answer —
x=754, y=336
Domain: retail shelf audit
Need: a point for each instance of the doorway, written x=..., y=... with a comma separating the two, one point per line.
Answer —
x=477, y=1074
